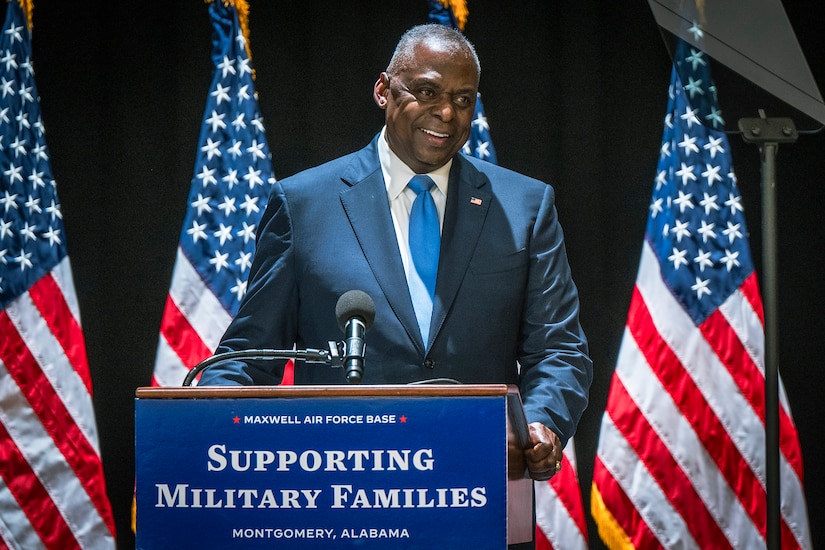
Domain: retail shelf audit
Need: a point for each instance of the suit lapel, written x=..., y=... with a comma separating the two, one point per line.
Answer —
x=468, y=199
x=365, y=204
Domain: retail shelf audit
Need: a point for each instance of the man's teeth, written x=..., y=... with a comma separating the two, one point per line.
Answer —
x=436, y=134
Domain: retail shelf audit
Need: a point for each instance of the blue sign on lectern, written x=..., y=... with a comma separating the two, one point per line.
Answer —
x=334, y=472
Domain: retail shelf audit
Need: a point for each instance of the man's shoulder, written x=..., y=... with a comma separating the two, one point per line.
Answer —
x=503, y=178
x=496, y=173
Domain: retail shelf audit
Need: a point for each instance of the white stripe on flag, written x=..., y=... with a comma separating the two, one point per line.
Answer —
x=701, y=363
x=169, y=369
x=197, y=303
x=50, y=357
x=35, y=444
x=14, y=525
x=552, y=517
x=62, y=275
x=630, y=473
x=570, y=453
x=672, y=428
x=748, y=327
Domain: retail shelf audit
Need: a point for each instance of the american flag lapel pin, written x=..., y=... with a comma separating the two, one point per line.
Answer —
x=476, y=201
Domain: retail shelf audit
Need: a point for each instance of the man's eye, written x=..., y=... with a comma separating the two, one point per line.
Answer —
x=425, y=93
x=463, y=100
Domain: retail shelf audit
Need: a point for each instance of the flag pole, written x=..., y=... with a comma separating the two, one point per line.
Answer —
x=768, y=133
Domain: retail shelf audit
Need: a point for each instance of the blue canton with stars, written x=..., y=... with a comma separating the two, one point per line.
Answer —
x=696, y=223
x=480, y=144
x=32, y=240
x=233, y=171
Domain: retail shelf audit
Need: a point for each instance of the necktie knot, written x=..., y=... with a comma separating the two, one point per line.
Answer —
x=421, y=183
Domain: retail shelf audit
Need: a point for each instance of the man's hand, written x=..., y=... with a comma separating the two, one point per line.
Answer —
x=544, y=455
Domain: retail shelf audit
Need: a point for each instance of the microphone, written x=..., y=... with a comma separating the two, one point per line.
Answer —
x=355, y=312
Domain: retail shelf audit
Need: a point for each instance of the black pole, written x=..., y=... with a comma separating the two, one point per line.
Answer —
x=769, y=263
x=768, y=133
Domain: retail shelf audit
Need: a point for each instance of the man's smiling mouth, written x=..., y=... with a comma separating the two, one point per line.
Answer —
x=434, y=133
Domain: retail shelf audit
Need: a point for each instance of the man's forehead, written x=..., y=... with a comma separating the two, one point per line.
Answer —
x=436, y=64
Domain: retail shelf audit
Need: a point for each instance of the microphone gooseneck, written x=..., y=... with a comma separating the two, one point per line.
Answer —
x=355, y=312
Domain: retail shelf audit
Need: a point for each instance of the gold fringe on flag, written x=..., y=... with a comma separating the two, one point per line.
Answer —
x=610, y=531
x=460, y=11
x=28, y=10
x=242, y=7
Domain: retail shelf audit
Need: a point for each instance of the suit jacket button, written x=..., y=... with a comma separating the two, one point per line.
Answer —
x=429, y=363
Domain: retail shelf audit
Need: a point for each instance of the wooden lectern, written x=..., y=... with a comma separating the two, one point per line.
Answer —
x=419, y=466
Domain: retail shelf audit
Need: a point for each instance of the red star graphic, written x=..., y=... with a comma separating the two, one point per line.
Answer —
x=237, y=419
x=403, y=419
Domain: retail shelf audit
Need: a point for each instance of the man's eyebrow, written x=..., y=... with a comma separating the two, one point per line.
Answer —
x=434, y=83
x=471, y=91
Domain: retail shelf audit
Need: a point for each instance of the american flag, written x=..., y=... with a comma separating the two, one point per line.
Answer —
x=681, y=455
x=232, y=180
x=560, y=519
x=52, y=489
x=480, y=144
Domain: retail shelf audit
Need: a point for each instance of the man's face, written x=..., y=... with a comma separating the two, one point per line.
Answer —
x=429, y=107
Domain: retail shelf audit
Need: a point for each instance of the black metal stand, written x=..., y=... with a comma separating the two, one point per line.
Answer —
x=768, y=133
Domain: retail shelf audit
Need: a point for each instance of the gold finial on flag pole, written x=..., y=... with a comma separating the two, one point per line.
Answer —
x=460, y=11
x=242, y=7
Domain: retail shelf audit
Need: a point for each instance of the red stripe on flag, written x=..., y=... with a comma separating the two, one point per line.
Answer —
x=624, y=513
x=566, y=486
x=789, y=443
x=182, y=338
x=542, y=543
x=672, y=480
x=750, y=381
x=698, y=413
x=289, y=374
x=49, y=300
x=750, y=290
x=32, y=497
x=80, y=456
x=735, y=358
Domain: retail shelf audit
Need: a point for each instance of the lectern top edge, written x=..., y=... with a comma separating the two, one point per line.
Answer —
x=422, y=390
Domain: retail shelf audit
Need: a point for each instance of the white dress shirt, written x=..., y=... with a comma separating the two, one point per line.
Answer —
x=396, y=176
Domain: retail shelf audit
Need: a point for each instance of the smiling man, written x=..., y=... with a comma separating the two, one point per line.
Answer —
x=429, y=94
x=494, y=301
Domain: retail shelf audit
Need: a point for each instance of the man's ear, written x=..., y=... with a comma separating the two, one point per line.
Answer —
x=380, y=90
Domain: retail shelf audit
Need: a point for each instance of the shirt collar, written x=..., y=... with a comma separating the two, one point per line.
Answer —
x=397, y=174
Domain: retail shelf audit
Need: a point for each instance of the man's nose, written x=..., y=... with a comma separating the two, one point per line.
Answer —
x=444, y=107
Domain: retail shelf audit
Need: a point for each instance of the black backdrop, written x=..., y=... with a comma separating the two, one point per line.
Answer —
x=575, y=93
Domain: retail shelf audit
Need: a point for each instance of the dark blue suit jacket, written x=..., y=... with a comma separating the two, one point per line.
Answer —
x=504, y=296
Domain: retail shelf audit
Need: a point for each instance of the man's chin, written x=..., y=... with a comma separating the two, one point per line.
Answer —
x=435, y=158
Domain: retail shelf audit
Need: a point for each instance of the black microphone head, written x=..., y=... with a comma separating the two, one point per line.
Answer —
x=355, y=303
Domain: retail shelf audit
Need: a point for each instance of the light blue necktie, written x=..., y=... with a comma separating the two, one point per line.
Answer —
x=425, y=243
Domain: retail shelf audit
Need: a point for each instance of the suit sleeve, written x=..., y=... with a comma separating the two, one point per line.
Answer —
x=266, y=318
x=556, y=370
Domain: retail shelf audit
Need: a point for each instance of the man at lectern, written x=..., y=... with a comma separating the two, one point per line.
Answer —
x=464, y=260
